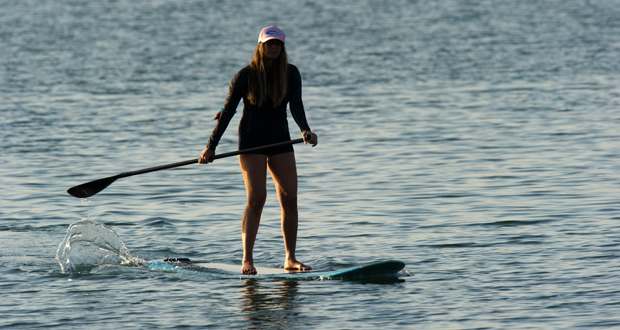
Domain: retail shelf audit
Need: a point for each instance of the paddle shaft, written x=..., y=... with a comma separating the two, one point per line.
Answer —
x=214, y=157
x=91, y=188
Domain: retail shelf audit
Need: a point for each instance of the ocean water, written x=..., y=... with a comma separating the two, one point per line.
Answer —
x=477, y=141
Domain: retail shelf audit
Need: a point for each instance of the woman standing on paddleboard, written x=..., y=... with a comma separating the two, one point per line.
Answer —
x=266, y=86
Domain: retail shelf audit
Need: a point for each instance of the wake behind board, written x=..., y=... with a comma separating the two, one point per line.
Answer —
x=377, y=270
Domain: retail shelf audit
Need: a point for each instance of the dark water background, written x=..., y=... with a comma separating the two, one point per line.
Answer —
x=477, y=141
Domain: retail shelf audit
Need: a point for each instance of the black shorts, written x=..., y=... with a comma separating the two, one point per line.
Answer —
x=253, y=140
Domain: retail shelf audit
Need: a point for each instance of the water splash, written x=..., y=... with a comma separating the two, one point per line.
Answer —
x=89, y=244
x=405, y=273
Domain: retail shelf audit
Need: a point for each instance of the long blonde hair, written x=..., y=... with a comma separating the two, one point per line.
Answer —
x=278, y=78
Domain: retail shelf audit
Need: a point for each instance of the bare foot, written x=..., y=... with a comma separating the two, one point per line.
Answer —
x=296, y=265
x=248, y=268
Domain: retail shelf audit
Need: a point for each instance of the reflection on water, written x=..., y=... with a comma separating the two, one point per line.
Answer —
x=270, y=305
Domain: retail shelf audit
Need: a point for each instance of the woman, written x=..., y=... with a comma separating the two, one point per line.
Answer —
x=266, y=86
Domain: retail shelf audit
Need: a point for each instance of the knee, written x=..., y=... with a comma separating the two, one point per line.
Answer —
x=256, y=201
x=288, y=202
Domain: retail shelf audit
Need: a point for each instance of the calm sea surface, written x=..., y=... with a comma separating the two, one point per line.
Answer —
x=477, y=141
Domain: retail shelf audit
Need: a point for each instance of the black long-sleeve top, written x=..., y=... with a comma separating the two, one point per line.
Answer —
x=264, y=119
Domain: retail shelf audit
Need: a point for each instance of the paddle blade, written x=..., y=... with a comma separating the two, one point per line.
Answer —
x=90, y=188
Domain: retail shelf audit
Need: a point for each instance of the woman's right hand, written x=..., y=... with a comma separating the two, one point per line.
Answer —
x=205, y=156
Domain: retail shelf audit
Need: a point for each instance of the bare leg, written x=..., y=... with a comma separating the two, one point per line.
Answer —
x=284, y=173
x=254, y=169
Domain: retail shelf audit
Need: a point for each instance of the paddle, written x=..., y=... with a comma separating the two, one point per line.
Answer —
x=91, y=188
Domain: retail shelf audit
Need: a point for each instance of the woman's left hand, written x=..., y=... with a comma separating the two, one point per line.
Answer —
x=311, y=138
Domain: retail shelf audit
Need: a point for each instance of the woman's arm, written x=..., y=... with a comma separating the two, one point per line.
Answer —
x=238, y=85
x=295, y=102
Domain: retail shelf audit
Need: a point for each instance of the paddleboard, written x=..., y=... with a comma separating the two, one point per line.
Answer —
x=376, y=270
